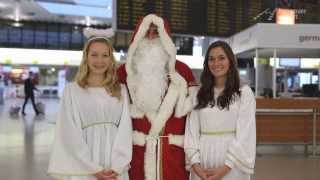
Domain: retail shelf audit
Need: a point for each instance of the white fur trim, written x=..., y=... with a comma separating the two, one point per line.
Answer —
x=165, y=111
x=150, y=159
x=104, y=33
x=185, y=102
x=177, y=79
x=170, y=49
x=135, y=112
x=164, y=38
x=177, y=86
x=157, y=123
x=139, y=138
x=177, y=140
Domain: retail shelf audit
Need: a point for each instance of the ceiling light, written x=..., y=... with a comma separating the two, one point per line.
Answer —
x=88, y=21
x=77, y=9
x=17, y=13
x=3, y=5
x=16, y=24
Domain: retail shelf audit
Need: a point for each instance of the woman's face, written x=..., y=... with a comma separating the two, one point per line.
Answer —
x=218, y=63
x=99, y=58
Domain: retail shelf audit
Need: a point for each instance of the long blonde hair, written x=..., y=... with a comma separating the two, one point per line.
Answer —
x=110, y=82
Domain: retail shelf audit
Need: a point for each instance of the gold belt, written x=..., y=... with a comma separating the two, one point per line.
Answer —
x=98, y=123
x=217, y=133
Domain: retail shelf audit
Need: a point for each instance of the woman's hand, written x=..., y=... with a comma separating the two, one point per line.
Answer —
x=106, y=174
x=217, y=173
x=199, y=171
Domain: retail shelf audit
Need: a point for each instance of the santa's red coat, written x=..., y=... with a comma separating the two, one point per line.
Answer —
x=172, y=157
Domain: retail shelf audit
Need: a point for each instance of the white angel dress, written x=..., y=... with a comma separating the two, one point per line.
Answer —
x=215, y=137
x=93, y=132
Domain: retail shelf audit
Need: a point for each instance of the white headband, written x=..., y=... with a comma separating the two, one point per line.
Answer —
x=91, y=33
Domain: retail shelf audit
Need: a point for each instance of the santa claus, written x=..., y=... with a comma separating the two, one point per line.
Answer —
x=158, y=85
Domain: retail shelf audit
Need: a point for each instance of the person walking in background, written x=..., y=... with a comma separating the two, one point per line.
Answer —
x=2, y=88
x=93, y=137
x=220, y=137
x=29, y=88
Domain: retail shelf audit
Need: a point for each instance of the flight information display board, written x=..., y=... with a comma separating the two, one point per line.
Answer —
x=226, y=17
x=129, y=12
x=41, y=35
x=210, y=17
x=307, y=11
x=194, y=17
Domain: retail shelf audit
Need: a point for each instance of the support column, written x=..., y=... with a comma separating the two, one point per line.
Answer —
x=274, y=74
x=256, y=72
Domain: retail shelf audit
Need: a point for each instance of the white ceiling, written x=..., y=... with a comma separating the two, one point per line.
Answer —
x=33, y=11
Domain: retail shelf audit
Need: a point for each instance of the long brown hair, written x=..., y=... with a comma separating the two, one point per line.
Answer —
x=110, y=82
x=205, y=95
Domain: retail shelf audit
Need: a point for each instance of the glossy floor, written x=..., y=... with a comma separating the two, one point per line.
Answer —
x=25, y=146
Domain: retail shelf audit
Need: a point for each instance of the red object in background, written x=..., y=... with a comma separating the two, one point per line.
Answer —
x=285, y=16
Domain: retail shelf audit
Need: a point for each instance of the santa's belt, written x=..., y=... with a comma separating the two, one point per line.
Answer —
x=139, y=138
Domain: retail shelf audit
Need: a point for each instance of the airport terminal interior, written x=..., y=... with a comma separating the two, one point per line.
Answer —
x=276, y=43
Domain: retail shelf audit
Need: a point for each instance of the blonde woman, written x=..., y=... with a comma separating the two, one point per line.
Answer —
x=93, y=131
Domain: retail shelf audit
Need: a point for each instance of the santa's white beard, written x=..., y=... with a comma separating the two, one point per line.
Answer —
x=150, y=63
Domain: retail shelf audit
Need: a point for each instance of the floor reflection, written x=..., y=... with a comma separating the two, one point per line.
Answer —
x=25, y=143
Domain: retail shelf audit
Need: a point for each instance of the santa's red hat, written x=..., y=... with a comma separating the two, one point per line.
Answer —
x=176, y=92
x=139, y=34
